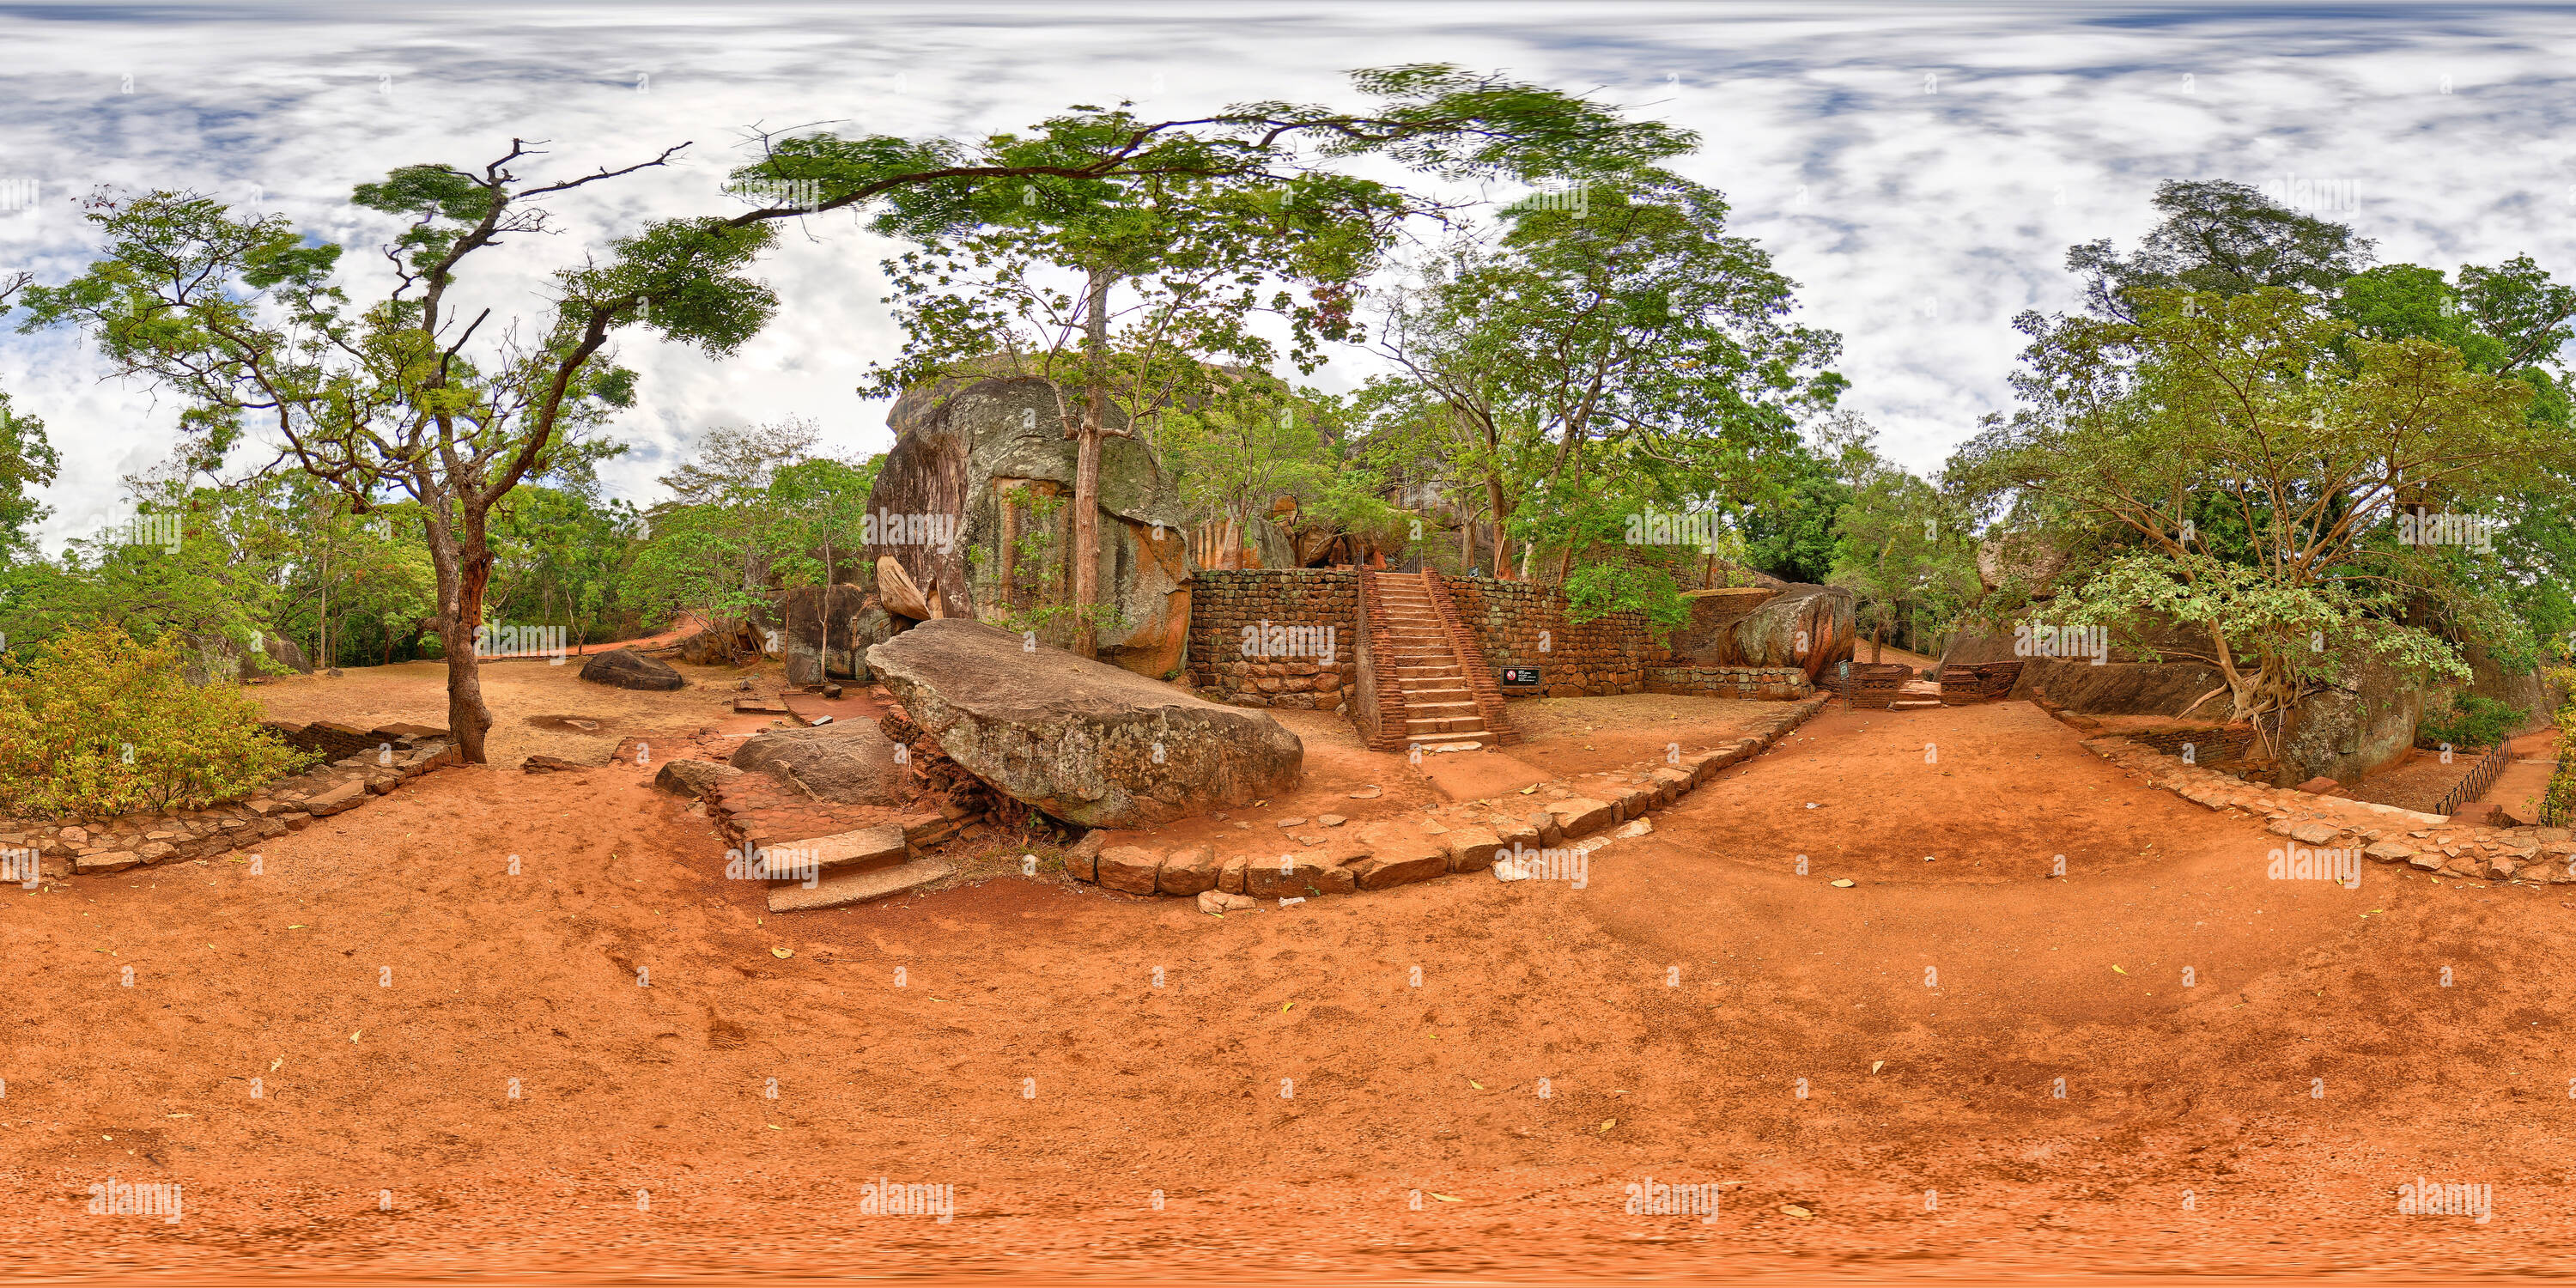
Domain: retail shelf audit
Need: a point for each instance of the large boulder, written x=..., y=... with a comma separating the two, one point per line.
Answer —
x=982, y=473
x=627, y=669
x=282, y=654
x=1082, y=741
x=816, y=640
x=852, y=763
x=2124, y=684
x=1798, y=625
x=2364, y=724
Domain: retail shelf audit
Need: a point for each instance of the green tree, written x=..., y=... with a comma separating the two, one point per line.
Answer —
x=26, y=460
x=1901, y=548
x=2260, y=410
x=242, y=317
x=1633, y=333
x=2223, y=238
x=1211, y=219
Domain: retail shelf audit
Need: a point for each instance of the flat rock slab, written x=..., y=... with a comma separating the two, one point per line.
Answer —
x=1467, y=778
x=1077, y=739
x=839, y=889
x=863, y=850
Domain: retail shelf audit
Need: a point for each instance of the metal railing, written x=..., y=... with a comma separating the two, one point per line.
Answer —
x=2481, y=776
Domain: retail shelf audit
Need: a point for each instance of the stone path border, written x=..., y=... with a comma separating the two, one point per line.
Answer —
x=1467, y=836
x=2428, y=842
x=286, y=805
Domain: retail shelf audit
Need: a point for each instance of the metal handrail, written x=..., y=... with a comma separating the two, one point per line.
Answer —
x=2481, y=776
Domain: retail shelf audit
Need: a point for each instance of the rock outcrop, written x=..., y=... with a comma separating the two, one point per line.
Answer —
x=973, y=506
x=1082, y=741
x=627, y=669
x=853, y=764
x=816, y=642
x=1801, y=625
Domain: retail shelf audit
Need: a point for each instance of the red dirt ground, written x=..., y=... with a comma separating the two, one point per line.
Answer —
x=1028, y=1058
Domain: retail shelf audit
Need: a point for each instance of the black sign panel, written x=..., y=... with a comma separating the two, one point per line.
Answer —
x=1520, y=675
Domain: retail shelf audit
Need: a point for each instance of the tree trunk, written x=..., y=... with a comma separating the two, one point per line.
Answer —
x=463, y=575
x=1086, y=466
x=1466, y=538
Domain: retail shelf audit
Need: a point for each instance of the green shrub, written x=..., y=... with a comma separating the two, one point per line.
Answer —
x=95, y=725
x=2471, y=721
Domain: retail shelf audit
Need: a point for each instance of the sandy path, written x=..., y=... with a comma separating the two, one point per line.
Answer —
x=1397, y=1087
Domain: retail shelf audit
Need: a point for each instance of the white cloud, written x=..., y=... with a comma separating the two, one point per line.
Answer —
x=1918, y=223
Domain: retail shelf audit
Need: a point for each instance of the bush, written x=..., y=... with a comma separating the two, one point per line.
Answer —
x=96, y=725
x=2471, y=721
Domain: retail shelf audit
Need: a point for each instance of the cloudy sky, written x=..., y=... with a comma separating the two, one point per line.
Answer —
x=1919, y=169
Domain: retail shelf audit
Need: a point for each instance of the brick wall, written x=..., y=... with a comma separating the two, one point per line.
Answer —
x=1224, y=602
x=1766, y=683
x=1508, y=618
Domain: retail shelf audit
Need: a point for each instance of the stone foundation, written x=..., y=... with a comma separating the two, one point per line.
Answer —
x=1758, y=683
x=391, y=754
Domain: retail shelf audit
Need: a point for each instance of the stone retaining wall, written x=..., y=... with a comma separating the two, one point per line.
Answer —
x=286, y=805
x=2209, y=746
x=2428, y=842
x=1225, y=602
x=1466, y=837
x=1763, y=683
x=1520, y=623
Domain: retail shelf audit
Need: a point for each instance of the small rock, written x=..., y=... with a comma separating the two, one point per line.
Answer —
x=1368, y=793
x=1840, y=883
x=546, y=765
x=1299, y=821
x=1637, y=827
x=1328, y=820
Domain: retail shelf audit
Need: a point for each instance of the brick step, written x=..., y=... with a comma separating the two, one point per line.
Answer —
x=864, y=850
x=1422, y=729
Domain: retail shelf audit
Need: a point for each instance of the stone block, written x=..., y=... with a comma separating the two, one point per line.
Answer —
x=1130, y=869
x=1188, y=871
x=1082, y=858
x=105, y=861
x=1472, y=849
x=1581, y=816
x=1400, y=865
x=336, y=800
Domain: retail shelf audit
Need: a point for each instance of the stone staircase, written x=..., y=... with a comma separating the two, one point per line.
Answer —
x=1440, y=708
